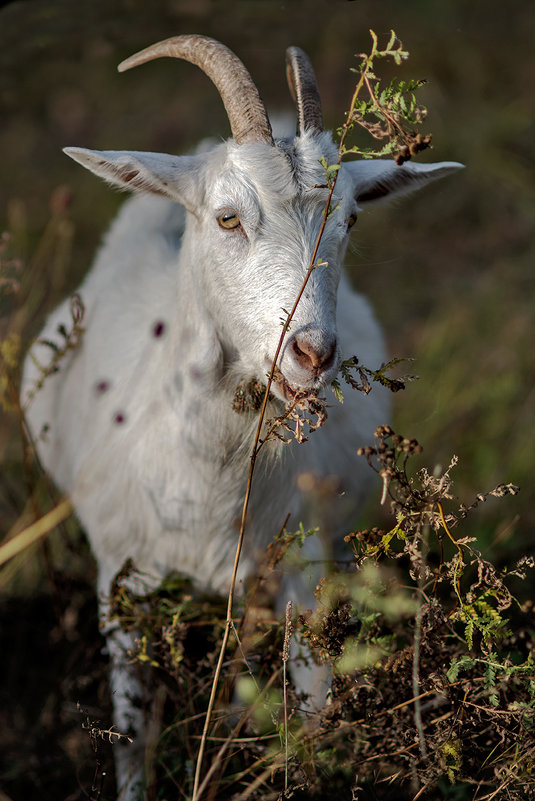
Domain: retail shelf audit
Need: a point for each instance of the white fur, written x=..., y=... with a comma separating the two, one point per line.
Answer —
x=165, y=487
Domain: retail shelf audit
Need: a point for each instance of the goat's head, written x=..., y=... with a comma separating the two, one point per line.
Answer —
x=255, y=209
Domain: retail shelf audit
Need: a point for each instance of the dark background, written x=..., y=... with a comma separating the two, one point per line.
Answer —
x=450, y=272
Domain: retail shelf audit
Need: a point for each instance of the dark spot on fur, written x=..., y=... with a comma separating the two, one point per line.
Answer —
x=158, y=329
x=101, y=387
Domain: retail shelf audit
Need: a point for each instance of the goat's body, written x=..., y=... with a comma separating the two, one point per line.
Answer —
x=164, y=432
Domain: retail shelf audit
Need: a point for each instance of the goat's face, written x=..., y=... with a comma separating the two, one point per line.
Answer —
x=255, y=233
x=255, y=212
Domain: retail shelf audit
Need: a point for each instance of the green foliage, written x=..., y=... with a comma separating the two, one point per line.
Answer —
x=474, y=654
x=481, y=616
x=365, y=373
x=452, y=756
x=386, y=113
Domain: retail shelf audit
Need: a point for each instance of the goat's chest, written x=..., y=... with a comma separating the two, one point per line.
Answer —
x=184, y=474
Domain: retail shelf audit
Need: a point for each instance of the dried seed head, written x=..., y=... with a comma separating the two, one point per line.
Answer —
x=287, y=632
x=383, y=431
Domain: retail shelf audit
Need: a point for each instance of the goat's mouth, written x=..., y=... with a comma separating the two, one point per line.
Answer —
x=249, y=394
x=289, y=393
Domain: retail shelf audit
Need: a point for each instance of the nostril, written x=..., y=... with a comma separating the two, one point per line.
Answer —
x=313, y=357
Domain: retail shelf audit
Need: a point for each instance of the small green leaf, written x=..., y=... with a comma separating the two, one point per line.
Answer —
x=337, y=389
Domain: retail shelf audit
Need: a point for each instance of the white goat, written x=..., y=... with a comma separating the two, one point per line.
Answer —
x=183, y=304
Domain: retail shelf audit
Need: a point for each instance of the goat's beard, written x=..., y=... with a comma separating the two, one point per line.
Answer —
x=303, y=412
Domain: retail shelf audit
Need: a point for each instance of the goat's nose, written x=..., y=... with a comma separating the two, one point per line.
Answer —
x=314, y=357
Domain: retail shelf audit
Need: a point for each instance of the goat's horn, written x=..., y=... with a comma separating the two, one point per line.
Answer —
x=304, y=90
x=245, y=109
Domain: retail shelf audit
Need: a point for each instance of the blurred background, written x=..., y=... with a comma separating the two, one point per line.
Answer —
x=449, y=271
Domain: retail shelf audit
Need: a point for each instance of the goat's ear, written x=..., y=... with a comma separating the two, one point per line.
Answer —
x=381, y=179
x=174, y=177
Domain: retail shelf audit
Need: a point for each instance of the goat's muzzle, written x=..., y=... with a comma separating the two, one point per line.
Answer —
x=315, y=359
x=308, y=364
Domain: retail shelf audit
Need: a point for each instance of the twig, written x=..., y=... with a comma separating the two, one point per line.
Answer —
x=285, y=658
x=34, y=532
x=244, y=656
x=422, y=790
x=260, y=779
x=494, y=793
x=232, y=738
x=416, y=650
x=459, y=549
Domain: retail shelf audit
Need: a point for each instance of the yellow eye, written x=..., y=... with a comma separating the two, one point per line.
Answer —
x=351, y=222
x=229, y=220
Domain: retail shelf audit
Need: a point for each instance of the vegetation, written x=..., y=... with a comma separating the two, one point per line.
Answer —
x=433, y=692
x=433, y=686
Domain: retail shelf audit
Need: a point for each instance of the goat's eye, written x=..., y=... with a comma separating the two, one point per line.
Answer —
x=229, y=220
x=351, y=222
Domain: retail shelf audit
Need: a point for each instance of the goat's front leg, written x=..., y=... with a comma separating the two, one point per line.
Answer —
x=129, y=717
x=298, y=586
x=128, y=714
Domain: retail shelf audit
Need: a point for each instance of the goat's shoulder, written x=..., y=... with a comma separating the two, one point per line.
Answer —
x=145, y=235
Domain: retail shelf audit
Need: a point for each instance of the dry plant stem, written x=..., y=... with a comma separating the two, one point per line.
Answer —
x=285, y=658
x=416, y=650
x=494, y=793
x=421, y=791
x=261, y=779
x=394, y=125
x=35, y=531
x=459, y=549
x=232, y=737
x=376, y=715
x=29, y=455
x=257, y=444
x=250, y=601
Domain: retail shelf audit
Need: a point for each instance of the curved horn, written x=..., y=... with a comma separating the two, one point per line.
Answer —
x=304, y=90
x=245, y=109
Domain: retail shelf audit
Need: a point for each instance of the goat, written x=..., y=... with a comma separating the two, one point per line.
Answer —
x=182, y=305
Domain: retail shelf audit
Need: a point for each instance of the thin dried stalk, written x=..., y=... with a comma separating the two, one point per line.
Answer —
x=34, y=532
x=285, y=658
x=416, y=651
